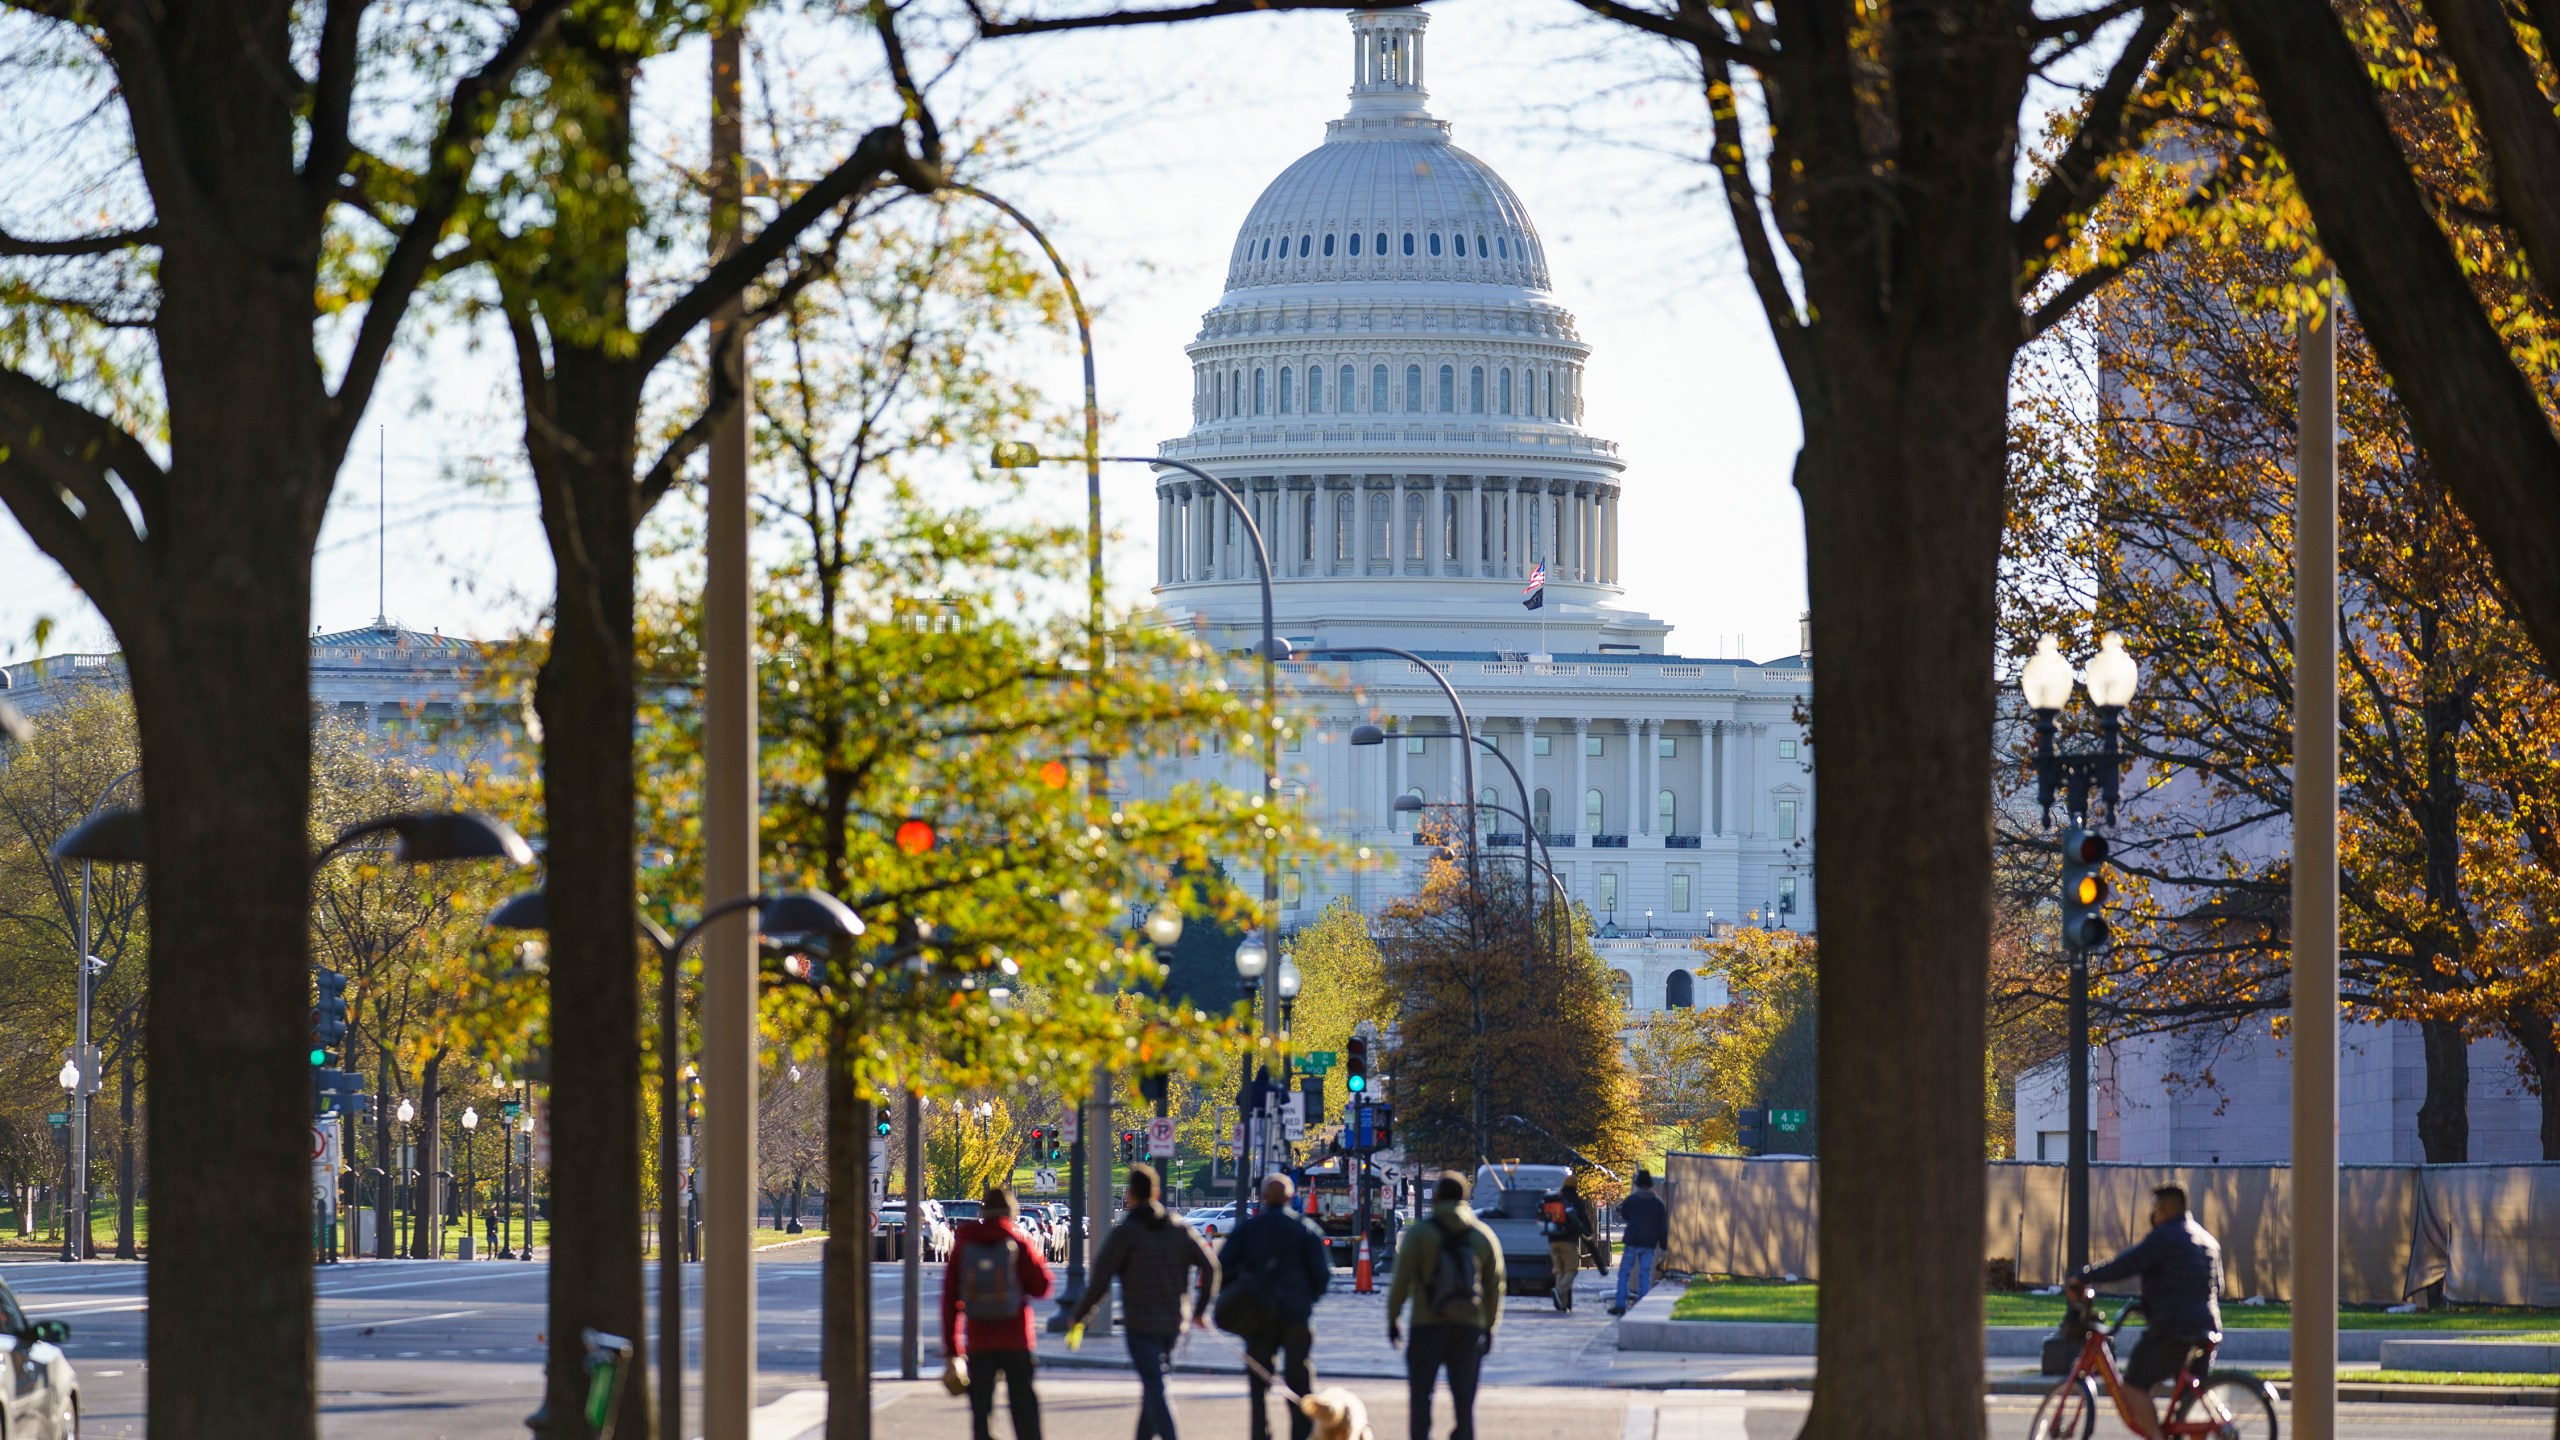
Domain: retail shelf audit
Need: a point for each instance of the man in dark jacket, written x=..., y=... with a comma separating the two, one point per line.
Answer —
x=2180, y=1265
x=1647, y=1228
x=998, y=1334
x=1278, y=1259
x=1453, y=1323
x=1152, y=1254
x=1566, y=1218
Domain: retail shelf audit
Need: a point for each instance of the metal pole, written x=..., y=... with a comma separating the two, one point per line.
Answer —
x=670, y=1221
x=2315, y=883
x=911, y=1303
x=2075, y=1245
x=79, y=1249
x=728, y=1063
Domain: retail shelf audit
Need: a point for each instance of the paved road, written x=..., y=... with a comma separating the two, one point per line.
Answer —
x=415, y=1349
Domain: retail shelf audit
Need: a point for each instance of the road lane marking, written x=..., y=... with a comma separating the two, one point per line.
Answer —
x=1639, y=1420
x=405, y=1320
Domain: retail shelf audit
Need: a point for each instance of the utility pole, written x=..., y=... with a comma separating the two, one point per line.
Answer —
x=729, y=825
x=2315, y=880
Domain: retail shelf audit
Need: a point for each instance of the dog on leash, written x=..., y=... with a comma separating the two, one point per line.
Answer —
x=1337, y=1413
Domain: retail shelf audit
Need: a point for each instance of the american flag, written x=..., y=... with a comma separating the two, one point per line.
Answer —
x=1536, y=589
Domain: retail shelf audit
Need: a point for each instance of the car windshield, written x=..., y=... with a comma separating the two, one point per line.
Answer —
x=894, y=1215
x=963, y=1209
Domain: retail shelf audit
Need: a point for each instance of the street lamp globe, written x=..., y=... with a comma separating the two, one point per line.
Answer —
x=1164, y=926
x=1251, y=958
x=2111, y=673
x=1289, y=978
x=70, y=1076
x=470, y=1118
x=408, y=1112
x=2046, y=681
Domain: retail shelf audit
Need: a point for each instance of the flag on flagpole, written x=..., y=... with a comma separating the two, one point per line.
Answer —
x=1536, y=589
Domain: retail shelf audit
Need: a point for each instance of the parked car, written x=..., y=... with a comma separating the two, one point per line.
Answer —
x=1506, y=1200
x=39, y=1393
x=1213, y=1222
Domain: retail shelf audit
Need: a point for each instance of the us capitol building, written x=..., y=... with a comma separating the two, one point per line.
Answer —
x=1393, y=388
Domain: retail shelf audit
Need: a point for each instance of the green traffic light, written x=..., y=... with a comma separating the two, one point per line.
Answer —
x=1359, y=1083
x=319, y=1056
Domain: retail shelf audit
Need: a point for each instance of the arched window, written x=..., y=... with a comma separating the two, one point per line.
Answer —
x=1285, y=406
x=1307, y=530
x=1328, y=246
x=1594, y=810
x=1382, y=244
x=1406, y=819
x=1408, y=242
x=1413, y=388
x=1315, y=389
x=1506, y=390
x=1257, y=389
x=1551, y=394
x=1435, y=243
x=1304, y=243
x=1346, y=394
x=1622, y=988
x=1380, y=513
x=1342, y=514
x=1542, y=811
x=1448, y=389
x=1449, y=527
x=1413, y=503
x=1355, y=243
x=1377, y=388
x=1475, y=388
x=1486, y=815
x=1481, y=251
x=1217, y=397
x=1502, y=247
x=1235, y=393
x=1680, y=992
x=1666, y=814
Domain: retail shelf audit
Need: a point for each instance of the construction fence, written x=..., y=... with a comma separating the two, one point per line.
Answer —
x=2490, y=1233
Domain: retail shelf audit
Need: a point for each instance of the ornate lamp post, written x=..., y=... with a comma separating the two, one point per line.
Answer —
x=1251, y=960
x=401, y=1173
x=470, y=1177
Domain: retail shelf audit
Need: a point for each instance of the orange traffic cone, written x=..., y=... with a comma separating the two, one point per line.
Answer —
x=1360, y=1275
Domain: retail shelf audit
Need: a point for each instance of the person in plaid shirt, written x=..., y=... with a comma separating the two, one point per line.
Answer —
x=1152, y=1255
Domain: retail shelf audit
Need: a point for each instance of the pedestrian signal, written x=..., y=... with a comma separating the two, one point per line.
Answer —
x=880, y=1127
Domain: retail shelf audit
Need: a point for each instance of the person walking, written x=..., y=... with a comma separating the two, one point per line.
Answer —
x=1450, y=1266
x=994, y=1274
x=1152, y=1255
x=1272, y=1271
x=1566, y=1218
x=1647, y=1228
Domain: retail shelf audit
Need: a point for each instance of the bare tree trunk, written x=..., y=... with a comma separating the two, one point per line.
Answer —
x=126, y=1248
x=427, y=1197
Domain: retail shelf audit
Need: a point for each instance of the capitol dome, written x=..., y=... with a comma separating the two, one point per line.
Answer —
x=1393, y=388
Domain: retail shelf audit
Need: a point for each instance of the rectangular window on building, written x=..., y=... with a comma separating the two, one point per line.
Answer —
x=1295, y=739
x=1665, y=746
x=1786, y=819
x=1786, y=749
x=1786, y=894
x=1608, y=890
x=1542, y=744
x=1413, y=744
x=1679, y=894
x=1292, y=888
x=1594, y=745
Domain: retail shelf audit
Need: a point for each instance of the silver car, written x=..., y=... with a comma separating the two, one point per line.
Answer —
x=39, y=1394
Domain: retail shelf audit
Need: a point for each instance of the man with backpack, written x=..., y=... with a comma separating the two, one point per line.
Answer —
x=1647, y=1229
x=1153, y=1256
x=1451, y=1266
x=1566, y=1218
x=1271, y=1272
x=994, y=1274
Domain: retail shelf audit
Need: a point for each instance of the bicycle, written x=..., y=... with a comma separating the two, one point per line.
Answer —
x=2204, y=1404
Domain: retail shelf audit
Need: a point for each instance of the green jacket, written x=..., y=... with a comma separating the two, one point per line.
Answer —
x=1419, y=1253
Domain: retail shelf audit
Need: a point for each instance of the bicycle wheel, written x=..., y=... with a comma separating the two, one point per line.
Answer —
x=2069, y=1413
x=2237, y=1403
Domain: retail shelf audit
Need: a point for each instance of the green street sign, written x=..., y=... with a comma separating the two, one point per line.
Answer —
x=1317, y=1060
x=510, y=1108
x=1791, y=1121
x=58, y=1119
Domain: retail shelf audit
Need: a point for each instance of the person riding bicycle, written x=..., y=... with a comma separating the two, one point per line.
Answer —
x=2180, y=1264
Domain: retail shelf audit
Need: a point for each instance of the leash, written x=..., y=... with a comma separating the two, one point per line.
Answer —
x=1274, y=1381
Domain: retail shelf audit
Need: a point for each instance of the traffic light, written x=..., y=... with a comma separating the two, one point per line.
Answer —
x=1751, y=1129
x=329, y=1017
x=1039, y=1146
x=2084, y=890
x=880, y=1127
x=1356, y=1065
x=1311, y=1089
x=1129, y=1146
x=1382, y=1126
x=337, y=1092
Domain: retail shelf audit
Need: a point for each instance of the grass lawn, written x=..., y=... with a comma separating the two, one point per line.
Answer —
x=1719, y=1298
x=2499, y=1378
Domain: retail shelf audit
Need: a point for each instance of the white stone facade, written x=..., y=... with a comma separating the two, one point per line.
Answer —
x=1392, y=388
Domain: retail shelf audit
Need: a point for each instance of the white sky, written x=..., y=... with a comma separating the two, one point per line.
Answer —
x=1186, y=126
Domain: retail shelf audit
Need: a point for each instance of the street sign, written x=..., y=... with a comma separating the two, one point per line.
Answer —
x=879, y=1156
x=58, y=1119
x=1160, y=1138
x=1318, y=1060
x=1044, y=1181
x=511, y=1108
x=1788, y=1121
x=1067, y=1126
x=1293, y=1116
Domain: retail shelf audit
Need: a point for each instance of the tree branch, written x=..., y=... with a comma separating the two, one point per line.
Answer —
x=55, y=456
x=2075, y=185
x=2088, y=282
x=1742, y=202
x=1689, y=27
x=449, y=160
x=332, y=96
x=105, y=243
x=993, y=29
x=2516, y=121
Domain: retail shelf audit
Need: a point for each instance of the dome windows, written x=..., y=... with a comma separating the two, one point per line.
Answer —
x=1328, y=247
x=1475, y=389
x=1355, y=242
x=1506, y=390
x=1315, y=389
x=1377, y=388
x=1382, y=244
x=1435, y=244
x=1448, y=389
x=1344, y=392
x=1413, y=389
x=1305, y=242
x=1481, y=252
x=1408, y=242
x=1257, y=390
x=1266, y=247
x=1502, y=246
x=1285, y=407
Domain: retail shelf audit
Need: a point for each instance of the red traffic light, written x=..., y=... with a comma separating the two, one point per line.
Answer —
x=2083, y=847
x=915, y=836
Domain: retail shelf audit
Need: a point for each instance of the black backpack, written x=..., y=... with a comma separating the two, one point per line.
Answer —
x=1450, y=1290
x=990, y=1288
